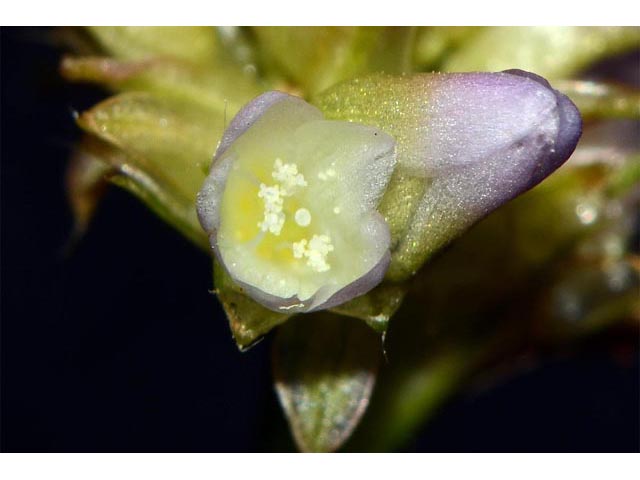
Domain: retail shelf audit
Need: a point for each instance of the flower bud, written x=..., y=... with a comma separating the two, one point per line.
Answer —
x=467, y=143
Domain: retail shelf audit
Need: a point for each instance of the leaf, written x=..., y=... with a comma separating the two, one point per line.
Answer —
x=164, y=203
x=188, y=64
x=324, y=56
x=198, y=45
x=553, y=52
x=224, y=89
x=249, y=321
x=162, y=154
x=324, y=368
x=174, y=142
x=602, y=100
x=165, y=137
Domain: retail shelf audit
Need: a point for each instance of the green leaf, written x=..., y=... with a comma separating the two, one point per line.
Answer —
x=163, y=152
x=223, y=89
x=122, y=170
x=553, y=52
x=164, y=138
x=324, y=368
x=601, y=100
x=323, y=56
x=198, y=45
x=175, y=142
x=249, y=321
x=187, y=64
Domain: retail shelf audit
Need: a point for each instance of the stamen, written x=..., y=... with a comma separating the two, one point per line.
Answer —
x=274, y=218
x=316, y=253
x=273, y=196
x=303, y=217
x=288, y=176
x=299, y=248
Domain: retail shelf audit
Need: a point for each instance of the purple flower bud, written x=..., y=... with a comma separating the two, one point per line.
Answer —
x=467, y=143
x=487, y=139
x=490, y=137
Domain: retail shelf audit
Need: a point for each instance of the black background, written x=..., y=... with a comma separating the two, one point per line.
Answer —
x=117, y=345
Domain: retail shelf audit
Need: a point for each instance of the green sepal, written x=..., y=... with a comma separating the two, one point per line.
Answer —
x=324, y=367
x=375, y=307
x=248, y=320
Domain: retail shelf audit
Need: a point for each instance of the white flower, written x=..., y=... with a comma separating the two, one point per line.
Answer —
x=290, y=204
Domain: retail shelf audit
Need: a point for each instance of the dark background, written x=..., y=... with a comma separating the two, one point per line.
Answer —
x=117, y=346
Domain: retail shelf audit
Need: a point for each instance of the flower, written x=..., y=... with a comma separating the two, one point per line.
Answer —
x=290, y=204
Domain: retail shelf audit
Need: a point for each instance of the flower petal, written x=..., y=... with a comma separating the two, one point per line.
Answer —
x=289, y=205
